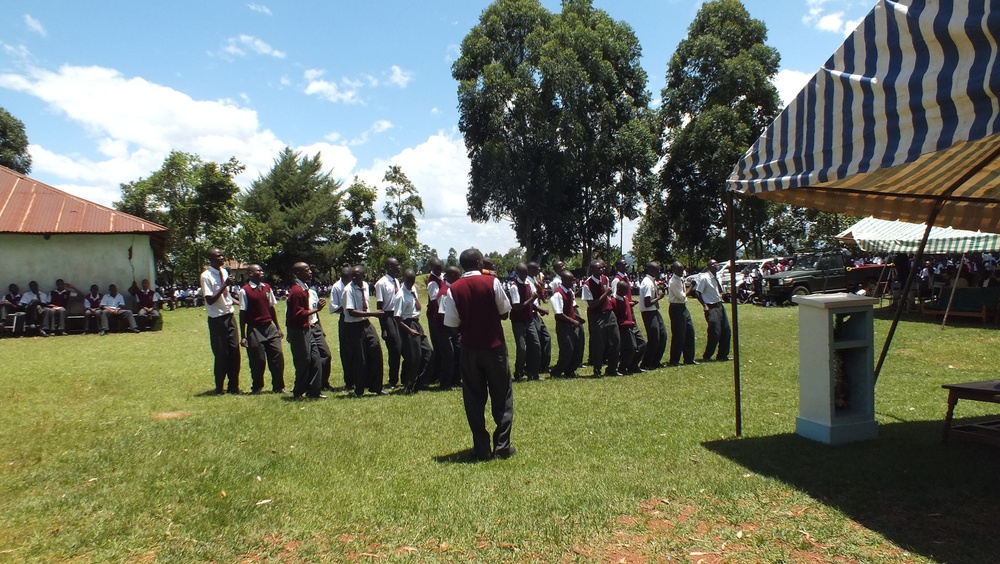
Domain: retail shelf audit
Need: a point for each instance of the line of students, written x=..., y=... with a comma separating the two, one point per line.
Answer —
x=416, y=357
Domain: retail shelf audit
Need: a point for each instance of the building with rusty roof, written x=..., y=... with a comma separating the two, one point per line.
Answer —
x=46, y=234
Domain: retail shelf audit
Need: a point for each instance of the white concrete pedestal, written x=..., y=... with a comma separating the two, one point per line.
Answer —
x=836, y=338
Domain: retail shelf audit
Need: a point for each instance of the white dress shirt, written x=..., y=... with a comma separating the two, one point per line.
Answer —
x=355, y=299
x=337, y=296
x=676, y=290
x=117, y=301
x=211, y=280
x=647, y=288
x=408, y=303
x=388, y=292
x=708, y=287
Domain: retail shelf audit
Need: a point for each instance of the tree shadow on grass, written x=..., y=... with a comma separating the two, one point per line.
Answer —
x=940, y=500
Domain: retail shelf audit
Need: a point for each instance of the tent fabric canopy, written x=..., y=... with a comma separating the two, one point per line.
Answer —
x=879, y=235
x=905, y=113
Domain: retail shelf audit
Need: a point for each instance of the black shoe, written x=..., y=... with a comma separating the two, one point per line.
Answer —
x=706, y=359
x=692, y=363
x=316, y=396
x=555, y=375
x=381, y=393
x=220, y=392
x=280, y=391
x=255, y=392
x=62, y=333
x=134, y=330
x=504, y=453
x=235, y=392
x=673, y=364
x=103, y=333
x=723, y=359
x=42, y=333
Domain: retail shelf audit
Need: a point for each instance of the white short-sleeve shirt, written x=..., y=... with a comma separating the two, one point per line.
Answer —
x=211, y=280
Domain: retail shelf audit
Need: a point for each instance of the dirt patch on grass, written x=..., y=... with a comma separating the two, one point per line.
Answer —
x=166, y=415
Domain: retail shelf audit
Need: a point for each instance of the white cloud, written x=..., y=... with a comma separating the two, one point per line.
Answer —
x=379, y=126
x=238, y=46
x=435, y=112
x=16, y=51
x=337, y=159
x=259, y=8
x=439, y=168
x=822, y=18
x=789, y=83
x=35, y=25
x=346, y=92
x=134, y=124
x=399, y=77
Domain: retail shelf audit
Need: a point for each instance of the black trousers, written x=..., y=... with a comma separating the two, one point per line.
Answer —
x=656, y=338
x=393, y=347
x=571, y=344
x=606, y=341
x=307, y=358
x=416, y=355
x=326, y=357
x=344, y=355
x=264, y=351
x=528, y=349
x=682, y=342
x=546, y=342
x=487, y=376
x=364, y=355
x=225, y=341
x=633, y=348
x=443, y=355
x=719, y=331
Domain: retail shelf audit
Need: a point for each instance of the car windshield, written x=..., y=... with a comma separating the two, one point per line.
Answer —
x=807, y=262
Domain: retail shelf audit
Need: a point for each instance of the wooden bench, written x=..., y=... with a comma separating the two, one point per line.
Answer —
x=981, y=303
x=984, y=432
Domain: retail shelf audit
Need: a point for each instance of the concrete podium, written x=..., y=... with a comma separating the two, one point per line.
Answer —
x=836, y=368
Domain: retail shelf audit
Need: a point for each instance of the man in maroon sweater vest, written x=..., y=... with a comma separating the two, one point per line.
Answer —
x=259, y=332
x=605, y=339
x=305, y=333
x=477, y=305
x=527, y=342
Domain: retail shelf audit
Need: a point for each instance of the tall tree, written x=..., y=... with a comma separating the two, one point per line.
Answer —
x=360, y=208
x=299, y=208
x=402, y=204
x=553, y=113
x=195, y=199
x=13, y=143
x=717, y=100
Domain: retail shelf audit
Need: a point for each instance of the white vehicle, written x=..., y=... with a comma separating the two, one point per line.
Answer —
x=742, y=266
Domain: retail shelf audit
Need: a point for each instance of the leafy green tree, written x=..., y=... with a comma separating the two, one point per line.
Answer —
x=717, y=100
x=360, y=208
x=402, y=204
x=195, y=200
x=553, y=111
x=298, y=207
x=452, y=257
x=13, y=143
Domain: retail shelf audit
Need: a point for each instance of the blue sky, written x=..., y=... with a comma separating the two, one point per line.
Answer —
x=107, y=89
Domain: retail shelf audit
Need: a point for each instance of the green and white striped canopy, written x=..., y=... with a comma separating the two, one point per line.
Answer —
x=881, y=236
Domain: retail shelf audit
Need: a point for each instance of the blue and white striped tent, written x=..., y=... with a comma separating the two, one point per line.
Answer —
x=884, y=236
x=906, y=114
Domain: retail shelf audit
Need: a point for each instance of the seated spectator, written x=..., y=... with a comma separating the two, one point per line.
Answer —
x=35, y=303
x=11, y=304
x=147, y=299
x=113, y=305
x=93, y=303
x=58, y=300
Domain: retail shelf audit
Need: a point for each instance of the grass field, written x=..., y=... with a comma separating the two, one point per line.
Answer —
x=113, y=451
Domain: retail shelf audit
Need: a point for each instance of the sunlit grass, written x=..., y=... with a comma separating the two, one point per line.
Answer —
x=111, y=452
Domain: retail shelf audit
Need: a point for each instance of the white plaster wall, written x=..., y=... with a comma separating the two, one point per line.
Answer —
x=79, y=259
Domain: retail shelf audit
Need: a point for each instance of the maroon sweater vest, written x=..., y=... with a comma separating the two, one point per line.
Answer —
x=528, y=313
x=258, y=310
x=569, y=302
x=297, y=312
x=145, y=298
x=600, y=305
x=623, y=312
x=59, y=299
x=477, y=309
x=94, y=303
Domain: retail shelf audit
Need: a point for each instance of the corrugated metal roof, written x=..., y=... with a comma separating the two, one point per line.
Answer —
x=28, y=206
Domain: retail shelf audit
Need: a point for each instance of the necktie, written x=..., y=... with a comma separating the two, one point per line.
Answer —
x=364, y=299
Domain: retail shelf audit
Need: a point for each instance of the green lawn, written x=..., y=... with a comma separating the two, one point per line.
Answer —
x=113, y=451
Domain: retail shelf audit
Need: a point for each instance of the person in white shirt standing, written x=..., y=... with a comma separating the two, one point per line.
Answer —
x=222, y=331
x=337, y=307
x=681, y=325
x=416, y=347
x=711, y=297
x=388, y=295
x=649, y=308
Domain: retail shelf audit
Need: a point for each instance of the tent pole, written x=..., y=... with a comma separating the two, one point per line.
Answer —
x=731, y=235
x=954, y=286
x=906, y=287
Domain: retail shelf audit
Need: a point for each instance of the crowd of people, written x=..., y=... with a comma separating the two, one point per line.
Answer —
x=45, y=314
x=463, y=343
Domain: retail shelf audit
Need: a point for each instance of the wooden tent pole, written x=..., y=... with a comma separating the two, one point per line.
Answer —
x=954, y=286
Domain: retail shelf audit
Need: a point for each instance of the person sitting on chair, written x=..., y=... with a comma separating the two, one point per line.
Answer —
x=147, y=298
x=92, y=301
x=34, y=303
x=113, y=305
x=58, y=300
